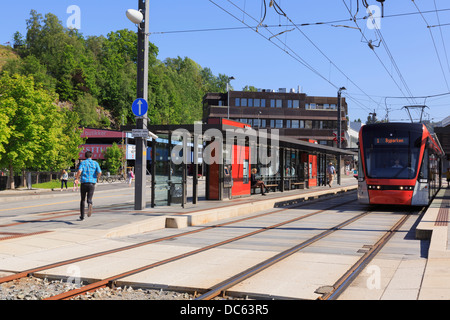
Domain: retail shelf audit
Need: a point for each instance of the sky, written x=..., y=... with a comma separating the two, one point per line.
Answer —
x=395, y=59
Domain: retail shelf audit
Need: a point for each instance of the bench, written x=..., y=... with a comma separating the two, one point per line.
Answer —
x=301, y=184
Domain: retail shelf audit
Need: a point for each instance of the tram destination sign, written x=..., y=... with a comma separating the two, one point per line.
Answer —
x=392, y=141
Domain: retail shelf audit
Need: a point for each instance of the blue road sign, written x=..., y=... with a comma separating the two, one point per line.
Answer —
x=139, y=107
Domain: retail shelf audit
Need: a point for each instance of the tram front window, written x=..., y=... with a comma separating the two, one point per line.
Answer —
x=391, y=157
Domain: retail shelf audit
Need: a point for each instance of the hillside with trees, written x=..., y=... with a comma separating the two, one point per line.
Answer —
x=96, y=75
x=55, y=80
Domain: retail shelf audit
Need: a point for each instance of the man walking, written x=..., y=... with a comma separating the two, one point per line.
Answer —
x=89, y=171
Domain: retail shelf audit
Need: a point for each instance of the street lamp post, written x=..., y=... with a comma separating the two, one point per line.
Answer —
x=228, y=96
x=141, y=18
x=339, y=129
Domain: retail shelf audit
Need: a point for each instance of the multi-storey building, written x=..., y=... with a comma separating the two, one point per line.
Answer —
x=294, y=114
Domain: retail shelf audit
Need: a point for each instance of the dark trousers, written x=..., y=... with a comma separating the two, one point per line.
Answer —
x=87, y=189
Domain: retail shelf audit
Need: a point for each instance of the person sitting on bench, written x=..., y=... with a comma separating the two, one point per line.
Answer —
x=257, y=183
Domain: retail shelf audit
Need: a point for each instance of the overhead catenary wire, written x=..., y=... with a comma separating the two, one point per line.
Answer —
x=302, y=60
x=330, y=23
x=442, y=35
x=280, y=11
x=377, y=56
x=264, y=29
x=434, y=43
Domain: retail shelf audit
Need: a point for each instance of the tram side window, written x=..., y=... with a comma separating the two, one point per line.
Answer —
x=424, y=168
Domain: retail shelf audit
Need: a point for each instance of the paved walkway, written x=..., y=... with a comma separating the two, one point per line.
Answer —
x=435, y=226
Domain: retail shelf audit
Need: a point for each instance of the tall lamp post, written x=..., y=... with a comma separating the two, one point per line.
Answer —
x=141, y=19
x=228, y=96
x=339, y=129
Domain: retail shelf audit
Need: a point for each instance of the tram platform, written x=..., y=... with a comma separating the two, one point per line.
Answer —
x=44, y=242
x=434, y=226
x=175, y=216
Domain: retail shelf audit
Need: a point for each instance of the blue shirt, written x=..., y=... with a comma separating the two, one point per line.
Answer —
x=89, y=170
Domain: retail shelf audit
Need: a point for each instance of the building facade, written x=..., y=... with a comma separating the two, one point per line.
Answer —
x=296, y=115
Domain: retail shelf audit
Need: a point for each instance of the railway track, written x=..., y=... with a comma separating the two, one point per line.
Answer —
x=223, y=286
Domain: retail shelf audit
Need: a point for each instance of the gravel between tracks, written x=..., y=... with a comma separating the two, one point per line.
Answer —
x=32, y=288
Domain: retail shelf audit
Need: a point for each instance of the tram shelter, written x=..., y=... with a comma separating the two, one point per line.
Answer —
x=225, y=152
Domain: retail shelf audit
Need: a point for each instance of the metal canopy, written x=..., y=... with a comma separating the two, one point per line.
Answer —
x=284, y=141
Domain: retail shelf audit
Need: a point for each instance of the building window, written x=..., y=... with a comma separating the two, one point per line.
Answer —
x=333, y=106
x=243, y=102
x=272, y=123
x=272, y=103
x=295, y=124
x=302, y=124
x=279, y=103
x=256, y=102
x=250, y=102
x=263, y=103
x=293, y=104
x=278, y=123
x=288, y=123
x=237, y=102
x=308, y=124
x=259, y=123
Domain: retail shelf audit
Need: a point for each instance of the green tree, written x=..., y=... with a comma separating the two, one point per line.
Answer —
x=84, y=69
x=114, y=157
x=37, y=127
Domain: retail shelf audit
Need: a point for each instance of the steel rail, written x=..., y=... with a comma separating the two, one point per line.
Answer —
x=31, y=271
x=232, y=281
x=342, y=283
x=111, y=280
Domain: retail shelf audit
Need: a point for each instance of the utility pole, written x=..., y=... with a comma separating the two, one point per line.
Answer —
x=142, y=92
x=339, y=135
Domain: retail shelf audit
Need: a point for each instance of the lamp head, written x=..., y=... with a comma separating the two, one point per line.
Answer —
x=135, y=16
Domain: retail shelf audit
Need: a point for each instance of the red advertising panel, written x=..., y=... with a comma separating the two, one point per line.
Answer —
x=96, y=149
x=99, y=133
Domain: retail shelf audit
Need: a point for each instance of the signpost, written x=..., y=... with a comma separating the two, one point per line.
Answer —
x=139, y=107
x=139, y=133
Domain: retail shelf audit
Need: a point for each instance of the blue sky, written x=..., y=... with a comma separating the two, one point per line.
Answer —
x=409, y=61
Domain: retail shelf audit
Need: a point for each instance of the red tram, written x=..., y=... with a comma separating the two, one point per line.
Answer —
x=399, y=164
